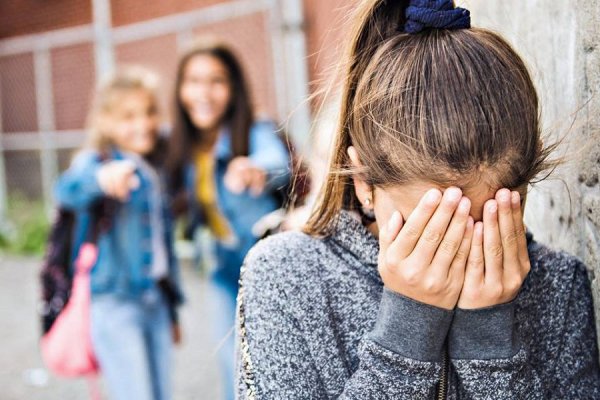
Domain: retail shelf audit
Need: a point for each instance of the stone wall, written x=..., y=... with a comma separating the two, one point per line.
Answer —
x=560, y=41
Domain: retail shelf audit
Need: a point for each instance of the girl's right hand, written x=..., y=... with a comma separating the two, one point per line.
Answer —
x=425, y=258
x=117, y=178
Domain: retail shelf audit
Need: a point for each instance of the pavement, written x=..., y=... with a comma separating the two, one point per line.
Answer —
x=23, y=376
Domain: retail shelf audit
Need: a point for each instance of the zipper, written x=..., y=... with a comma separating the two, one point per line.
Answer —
x=247, y=370
x=443, y=385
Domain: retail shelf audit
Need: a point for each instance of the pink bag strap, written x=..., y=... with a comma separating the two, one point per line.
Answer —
x=94, y=388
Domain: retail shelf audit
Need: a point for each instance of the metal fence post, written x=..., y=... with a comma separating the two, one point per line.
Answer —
x=103, y=46
x=288, y=38
x=3, y=190
x=46, y=123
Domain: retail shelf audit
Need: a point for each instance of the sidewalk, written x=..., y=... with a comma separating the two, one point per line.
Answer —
x=22, y=376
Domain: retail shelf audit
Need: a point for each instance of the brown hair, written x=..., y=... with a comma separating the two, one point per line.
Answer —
x=239, y=115
x=444, y=106
x=106, y=99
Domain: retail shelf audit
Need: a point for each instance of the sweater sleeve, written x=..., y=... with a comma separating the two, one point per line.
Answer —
x=489, y=359
x=401, y=358
x=577, y=374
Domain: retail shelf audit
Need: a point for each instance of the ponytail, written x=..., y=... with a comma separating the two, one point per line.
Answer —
x=419, y=104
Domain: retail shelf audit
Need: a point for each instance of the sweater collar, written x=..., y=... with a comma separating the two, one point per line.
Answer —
x=351, y=234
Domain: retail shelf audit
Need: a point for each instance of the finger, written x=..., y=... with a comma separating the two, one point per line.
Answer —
x=111, y=185
x=492, y=244
x=458, y=266
x=520, y=231
x=474, y=271
x=389, y=231
x=126, y=164
x=234, y=183
x=122, y=188
x=453, y=239
x=258, y=182
x=508, y=235
x=436, y=228
x=134, y=182
x=406, y=240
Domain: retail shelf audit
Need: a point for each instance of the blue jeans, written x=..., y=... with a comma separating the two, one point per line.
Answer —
x=222, y=297
x=222, y=291
x=133, y=344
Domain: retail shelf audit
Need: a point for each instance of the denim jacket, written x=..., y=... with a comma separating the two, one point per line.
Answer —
x=125, y=249
x=242, y=211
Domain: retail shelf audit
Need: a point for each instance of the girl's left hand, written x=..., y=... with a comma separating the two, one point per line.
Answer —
x=242, y=174
x=498, y=260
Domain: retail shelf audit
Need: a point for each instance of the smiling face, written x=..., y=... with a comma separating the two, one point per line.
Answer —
x=131, y=123
x=205, y=91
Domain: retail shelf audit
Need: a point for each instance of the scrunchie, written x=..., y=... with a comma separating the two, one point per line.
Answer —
x=438, y=14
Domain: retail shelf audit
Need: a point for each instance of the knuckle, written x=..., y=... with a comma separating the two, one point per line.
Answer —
x=495, y=290
x=448, y=246
x=390, y=259
x=510, y=238
x=513, y=286
x=432, y=237
x=461, y=254
x=411, y=232
x=475, y=261
x=432, y=285
x=495, y=250
x=519, y=231
x=410, y=276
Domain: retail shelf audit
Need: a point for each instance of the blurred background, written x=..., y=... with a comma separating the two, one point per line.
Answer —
x=52, y=52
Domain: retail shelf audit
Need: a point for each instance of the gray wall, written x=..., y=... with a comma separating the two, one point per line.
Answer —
x=560, y=41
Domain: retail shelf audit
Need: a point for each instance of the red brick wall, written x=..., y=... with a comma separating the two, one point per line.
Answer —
x=158, y=54
x=130, y=11
x=73, y=72
x=73, y=76
x=17, y=93
x=327, y=24
x=72, y=83
x=249, y=38
x=21, y=17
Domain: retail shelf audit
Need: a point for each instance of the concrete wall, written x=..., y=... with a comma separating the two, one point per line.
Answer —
x=560, y=40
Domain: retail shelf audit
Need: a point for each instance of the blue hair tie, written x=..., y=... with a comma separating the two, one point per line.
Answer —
x=437, y=14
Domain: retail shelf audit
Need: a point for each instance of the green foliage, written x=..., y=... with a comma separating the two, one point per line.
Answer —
x=26, y=227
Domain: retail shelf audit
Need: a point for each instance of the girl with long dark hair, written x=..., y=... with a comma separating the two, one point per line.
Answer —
x=225, y=168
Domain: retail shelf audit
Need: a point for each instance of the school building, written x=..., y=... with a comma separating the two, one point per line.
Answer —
x=53, y=52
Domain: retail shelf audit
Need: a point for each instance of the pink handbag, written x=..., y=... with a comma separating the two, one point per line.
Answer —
x=67, y=347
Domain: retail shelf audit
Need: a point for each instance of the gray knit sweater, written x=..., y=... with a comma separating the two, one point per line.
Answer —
x=315, y=322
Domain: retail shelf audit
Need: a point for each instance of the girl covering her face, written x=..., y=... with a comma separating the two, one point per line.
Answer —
x=415, y=277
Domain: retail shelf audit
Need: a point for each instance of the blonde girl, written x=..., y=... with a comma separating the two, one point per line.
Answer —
x=135, y=280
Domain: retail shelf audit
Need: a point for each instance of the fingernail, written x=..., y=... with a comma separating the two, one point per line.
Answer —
x=492, y=207
x=516, y=198
x=504, y=195
x=432, y=196
x=464, y=204
x=395, y=220
x=453, y=193
x=478, y=228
